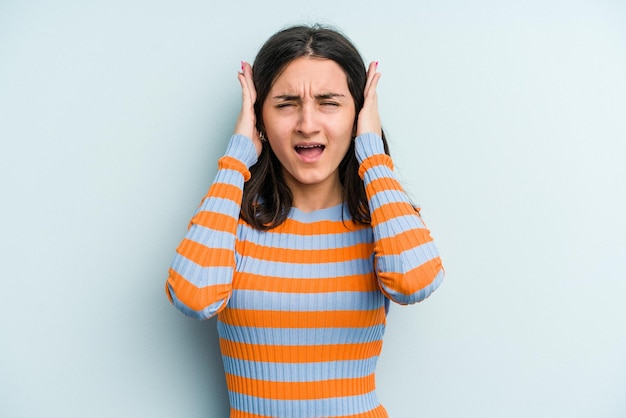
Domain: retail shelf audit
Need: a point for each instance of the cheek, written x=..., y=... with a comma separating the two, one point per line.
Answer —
x=273, y=124
x=346, y=146
x=349, y=127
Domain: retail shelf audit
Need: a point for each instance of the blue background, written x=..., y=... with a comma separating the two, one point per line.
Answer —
x=507, y=123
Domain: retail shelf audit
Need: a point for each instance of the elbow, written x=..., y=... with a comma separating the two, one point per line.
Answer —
x=428, y=290
x=191, y=309
x=416, y=285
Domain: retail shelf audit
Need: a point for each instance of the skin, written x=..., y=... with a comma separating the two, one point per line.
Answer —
x=309, y=104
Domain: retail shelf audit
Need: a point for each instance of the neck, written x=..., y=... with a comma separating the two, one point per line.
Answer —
x=311, y=197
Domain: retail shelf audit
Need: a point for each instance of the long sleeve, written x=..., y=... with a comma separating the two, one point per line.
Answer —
x=201, y=273
x=407, y=262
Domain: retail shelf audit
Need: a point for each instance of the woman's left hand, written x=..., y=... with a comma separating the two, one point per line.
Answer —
x=369, y=118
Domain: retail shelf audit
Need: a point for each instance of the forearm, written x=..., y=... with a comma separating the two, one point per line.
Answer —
x=200, y=276
x=407, y=261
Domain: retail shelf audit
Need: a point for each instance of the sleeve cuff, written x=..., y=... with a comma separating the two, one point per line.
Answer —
x=241, y=148
x=368, y=144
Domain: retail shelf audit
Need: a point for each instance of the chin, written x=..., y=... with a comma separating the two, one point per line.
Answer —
x=311, y=179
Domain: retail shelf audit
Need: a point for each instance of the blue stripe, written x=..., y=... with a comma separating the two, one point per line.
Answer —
x=217, y=239
x=229, y=176
x=300, y=372
x=205, y=313
x=335, y=213
x=331, y=407
x=368, y=144
x=408, y=260
x=201, y=276
x=221, y=206
x=242, y=148
x=225, y=176
x=378, y=172
x=387, y=196
x=305, y=242
x=305, y=271
x=306, y=302
x=300, y=336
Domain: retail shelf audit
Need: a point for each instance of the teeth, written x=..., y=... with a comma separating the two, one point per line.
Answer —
x=309, y=146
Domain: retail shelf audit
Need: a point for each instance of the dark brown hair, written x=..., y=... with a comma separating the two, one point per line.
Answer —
x=267, y=199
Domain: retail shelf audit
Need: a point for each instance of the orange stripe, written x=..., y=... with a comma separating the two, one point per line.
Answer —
x=317, y=228
x=379, y=412
x=373, y=161
x=289, y=255
x=332, y=388
x=167, y=292
x=391, y=210
x=241, y=414
x=300, y=353
x=205, y=256
x=196, y=298
x=225, y=191
x=231, y=163
x=404, y=241
x=357, y=283
x=413, y=280
x=385, y=183
x=291, y=319
x=216, y=221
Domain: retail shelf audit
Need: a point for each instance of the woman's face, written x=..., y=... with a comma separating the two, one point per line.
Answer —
x=308, y=117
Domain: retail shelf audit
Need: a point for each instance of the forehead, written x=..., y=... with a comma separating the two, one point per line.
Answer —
x=312, y=74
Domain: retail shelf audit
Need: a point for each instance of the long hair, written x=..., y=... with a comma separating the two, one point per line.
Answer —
x=267, y=199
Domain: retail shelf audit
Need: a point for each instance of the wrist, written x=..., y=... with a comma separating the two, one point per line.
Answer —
x=241, y=147
x=368, y=144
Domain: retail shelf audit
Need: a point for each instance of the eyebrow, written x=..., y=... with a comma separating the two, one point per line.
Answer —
x=321, y=96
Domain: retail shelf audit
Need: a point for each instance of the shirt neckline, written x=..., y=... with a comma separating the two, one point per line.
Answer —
x=333, y=213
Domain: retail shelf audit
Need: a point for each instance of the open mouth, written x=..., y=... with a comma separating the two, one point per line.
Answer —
x=309, y=150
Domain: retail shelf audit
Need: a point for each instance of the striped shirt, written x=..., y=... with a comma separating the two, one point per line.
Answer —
x=301, y=307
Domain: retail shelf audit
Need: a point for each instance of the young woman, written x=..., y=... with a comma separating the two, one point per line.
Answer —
x=304, y=236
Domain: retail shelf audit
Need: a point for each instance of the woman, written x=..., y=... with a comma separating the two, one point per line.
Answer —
x=305, y=235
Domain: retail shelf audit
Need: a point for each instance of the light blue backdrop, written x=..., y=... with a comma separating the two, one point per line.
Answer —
x=507, y=122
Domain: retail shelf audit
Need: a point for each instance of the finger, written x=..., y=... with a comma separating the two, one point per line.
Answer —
x=371, y=92
x=246, y=99
x=371, y=75
x=247, y=72
x=248, y=92
x=243, y=80
x=371, y=96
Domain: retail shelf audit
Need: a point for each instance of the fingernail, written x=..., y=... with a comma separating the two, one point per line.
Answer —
x=242, y=66
x=377, y=63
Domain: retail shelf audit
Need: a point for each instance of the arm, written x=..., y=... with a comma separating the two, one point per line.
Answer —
x=406, y=260
x=200, y=276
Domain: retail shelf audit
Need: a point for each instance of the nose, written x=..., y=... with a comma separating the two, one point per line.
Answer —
x=307, y=121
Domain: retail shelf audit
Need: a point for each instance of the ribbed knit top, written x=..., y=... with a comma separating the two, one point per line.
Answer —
x=302, y=306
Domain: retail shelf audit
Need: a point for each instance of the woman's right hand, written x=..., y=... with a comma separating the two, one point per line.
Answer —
x=246, y=122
